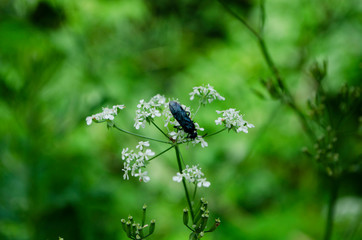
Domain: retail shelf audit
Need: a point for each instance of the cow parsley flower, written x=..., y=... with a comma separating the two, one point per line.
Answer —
x=206, y=94
x=135, y=161
x=107, y=114
x=193, y=175
x=142, y=176
x=149, y=110
x=142, y=144
x=232, y=119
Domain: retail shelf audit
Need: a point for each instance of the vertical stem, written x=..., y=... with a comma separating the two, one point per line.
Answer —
x=331, y=206
x=286, y=97
x=184, y=182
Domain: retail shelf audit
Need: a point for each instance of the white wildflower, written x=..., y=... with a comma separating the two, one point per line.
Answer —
x=142, y=144
x=107, y=114
x=232, y=119
x=206, y=94
x=135, y=161
x=200, y=140
x=203, y=183
x=177, y=178
x=142, y=176
x=147, y=111
x=193, y=175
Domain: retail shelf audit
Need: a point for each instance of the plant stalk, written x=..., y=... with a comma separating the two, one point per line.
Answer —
x=184, y=182
x=331, y=207
x=138, y=135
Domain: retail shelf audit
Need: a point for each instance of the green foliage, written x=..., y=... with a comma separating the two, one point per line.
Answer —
x=61, y=61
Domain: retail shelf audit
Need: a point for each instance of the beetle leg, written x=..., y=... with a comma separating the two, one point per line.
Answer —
x=178, y=127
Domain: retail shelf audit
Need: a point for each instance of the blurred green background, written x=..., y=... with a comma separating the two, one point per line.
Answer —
x=61, y=61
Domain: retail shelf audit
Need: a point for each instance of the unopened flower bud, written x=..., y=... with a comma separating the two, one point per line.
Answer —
x=186, y=216
x=128, y=228
x=204, y=219
x=134, y=229
x=130, y=218
x=123, y=222
x=216, y=224
x=152, y=227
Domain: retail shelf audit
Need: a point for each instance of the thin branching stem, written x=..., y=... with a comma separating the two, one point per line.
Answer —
x=288, y=99
x=184, y=182
x=194, y=194
x=197, y=110
x=262, y=16
x=241, y=19
x=161, y=153
x=212, y=134
x=154, y=124
x=285, y=94
x=138, y=135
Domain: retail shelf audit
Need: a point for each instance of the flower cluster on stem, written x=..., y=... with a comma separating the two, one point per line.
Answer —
x=147, y=111
x=134, y=162
x=193, y=175
x=177, y=126
x=205, y=94
x=232, y=119
x=106, y=114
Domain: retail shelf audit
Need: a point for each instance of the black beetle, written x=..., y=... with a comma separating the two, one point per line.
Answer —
x=183, y=118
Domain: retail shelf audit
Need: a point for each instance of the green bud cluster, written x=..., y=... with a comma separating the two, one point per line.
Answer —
x=336, y=117
x=199, y=223
x=135, y=230
x=325, y=153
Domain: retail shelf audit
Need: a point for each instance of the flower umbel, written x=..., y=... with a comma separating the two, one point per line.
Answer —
x=193, y=175
x=178, y=126
x=107, y=114
x=147, y=111
x=206, y=94
x=134, y=162
x=232, y=119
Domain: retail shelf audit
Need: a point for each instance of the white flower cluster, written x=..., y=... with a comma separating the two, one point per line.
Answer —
x=149, y=110
x=135, y=161
x=233, y=120
x=206, y=94
x=192, y=175
x=107, y=114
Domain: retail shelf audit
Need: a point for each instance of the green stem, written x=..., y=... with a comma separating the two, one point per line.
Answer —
x=262, y=16
x=197, y=110
x=161, y=153
x=242, y=20
x=289, y=100
x=141, y=136
x=331, y=206
x=212, y=134
x=194, y=194
x=154, y=124
x=184, y=182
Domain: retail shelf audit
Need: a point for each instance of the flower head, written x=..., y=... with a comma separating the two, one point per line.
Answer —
x=107, y=114
x=135, y=161
x=143, y=177
x=193, y=175
x=206, y=94
x=147, y=111
x=233, y=120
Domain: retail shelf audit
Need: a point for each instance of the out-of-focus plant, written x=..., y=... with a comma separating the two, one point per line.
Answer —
x=178, y=128
x=332, y=123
